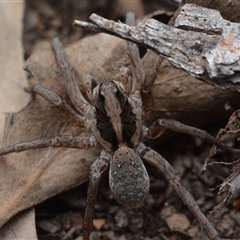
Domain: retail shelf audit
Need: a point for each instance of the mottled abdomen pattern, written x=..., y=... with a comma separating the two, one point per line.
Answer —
x=128, y=178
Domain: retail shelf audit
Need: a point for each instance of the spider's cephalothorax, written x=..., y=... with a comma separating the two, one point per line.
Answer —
x=117, y=126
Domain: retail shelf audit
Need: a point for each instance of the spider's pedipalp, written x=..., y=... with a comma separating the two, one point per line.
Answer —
x=90, y=83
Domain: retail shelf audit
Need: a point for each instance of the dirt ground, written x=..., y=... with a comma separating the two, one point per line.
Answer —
x=163, y=215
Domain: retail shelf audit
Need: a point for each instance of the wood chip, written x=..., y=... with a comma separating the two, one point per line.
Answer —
x=178, y=222
x=99, y=223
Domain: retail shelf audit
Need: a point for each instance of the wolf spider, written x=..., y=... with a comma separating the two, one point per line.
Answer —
x=114, y=113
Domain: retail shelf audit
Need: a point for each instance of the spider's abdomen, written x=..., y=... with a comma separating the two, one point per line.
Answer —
x=128, y=178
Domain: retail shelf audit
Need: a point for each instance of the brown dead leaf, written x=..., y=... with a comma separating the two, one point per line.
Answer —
x=13, y=78
x=20, y=227
x=13, y=98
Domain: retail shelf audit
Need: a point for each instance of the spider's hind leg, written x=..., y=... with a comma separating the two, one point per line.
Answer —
x=96, y=170
x=163, y=165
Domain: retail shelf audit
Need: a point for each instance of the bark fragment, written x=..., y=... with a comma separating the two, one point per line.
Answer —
x=201, y=42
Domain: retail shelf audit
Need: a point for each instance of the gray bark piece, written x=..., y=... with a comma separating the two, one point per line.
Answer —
x=223, y=60
x=201, y=43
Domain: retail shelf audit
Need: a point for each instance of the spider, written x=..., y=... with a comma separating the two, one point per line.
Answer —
x=114, y=113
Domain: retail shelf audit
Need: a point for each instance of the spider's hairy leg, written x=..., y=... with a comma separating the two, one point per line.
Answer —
x=162, y=164
x=67, y=70
x=135, y=61
x=125, y=76
x=137, y=69
x=56, y=141
x=146, y=91
x=66, y=110
x=159, y=126
x=90, y=83
x=140, y=81
x=97, y=168
x=151, y=75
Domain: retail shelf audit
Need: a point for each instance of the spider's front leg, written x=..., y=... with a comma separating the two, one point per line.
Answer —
x=96, y=170
x=67, y=70
x=73, y=91
x=158, y=161
x=141, y=83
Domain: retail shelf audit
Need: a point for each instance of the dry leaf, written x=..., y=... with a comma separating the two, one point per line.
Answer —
x=13, y=98
x=13, y=79
x=20, y=227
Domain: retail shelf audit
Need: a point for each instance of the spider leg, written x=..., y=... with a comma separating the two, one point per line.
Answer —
x=141, y=84
x=137, y=69
x=56, y=141
x=152, y=74
x=159, y=162
x=97, y=168
x=67, y=70
x=126, y=75
x=159, y=126
x=146, y=91
x=73, y=117
x=135, y=61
